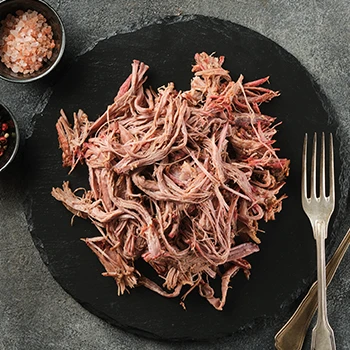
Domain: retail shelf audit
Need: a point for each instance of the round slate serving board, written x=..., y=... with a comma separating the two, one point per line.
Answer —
x=286, y=263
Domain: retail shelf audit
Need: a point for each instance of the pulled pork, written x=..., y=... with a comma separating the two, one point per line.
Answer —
x=178, y=179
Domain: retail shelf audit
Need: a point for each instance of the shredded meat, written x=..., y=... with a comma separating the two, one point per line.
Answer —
x=178, y=179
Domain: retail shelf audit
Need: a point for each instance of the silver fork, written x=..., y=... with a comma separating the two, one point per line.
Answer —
x=319, y=210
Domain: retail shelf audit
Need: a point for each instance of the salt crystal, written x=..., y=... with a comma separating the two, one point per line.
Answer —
x=19, y=50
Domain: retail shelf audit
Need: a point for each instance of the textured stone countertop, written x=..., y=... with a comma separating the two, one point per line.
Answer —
x=35, y=312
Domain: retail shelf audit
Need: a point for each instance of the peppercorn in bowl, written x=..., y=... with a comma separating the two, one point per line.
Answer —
x=32, y=40
x=9, y=137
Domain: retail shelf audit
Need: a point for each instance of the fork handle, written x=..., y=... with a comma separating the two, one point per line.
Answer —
x=320, y=234
x=322, y=334
x=292, y=334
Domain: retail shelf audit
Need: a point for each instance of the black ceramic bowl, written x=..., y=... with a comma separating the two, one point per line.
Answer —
x=12, y=140
x=11, y=6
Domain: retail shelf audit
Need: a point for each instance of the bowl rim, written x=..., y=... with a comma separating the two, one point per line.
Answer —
x=15, y=150
x=54, y=63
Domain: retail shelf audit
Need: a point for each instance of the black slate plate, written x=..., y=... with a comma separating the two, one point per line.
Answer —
x=286, y=263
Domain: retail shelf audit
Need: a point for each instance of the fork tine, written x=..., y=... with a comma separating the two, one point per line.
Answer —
x=322, y=169
x=331, y=169
x=313, y=168
x=304, y=171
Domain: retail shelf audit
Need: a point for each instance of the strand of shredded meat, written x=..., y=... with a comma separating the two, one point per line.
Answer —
x=178, y=179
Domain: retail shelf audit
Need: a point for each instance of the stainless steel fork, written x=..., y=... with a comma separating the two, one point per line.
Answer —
x=319, y=209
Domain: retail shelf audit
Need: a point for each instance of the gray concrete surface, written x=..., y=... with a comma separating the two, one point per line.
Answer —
x=35, y=313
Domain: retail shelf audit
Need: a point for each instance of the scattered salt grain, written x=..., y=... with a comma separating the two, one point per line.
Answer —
x=26, y=41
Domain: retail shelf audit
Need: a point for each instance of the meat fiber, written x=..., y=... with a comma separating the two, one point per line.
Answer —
x=178, y=179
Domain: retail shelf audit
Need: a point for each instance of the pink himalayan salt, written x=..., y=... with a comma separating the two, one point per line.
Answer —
x=25, y=41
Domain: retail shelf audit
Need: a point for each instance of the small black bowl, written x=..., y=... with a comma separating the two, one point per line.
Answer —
x=12, y=141
x=11, y=6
